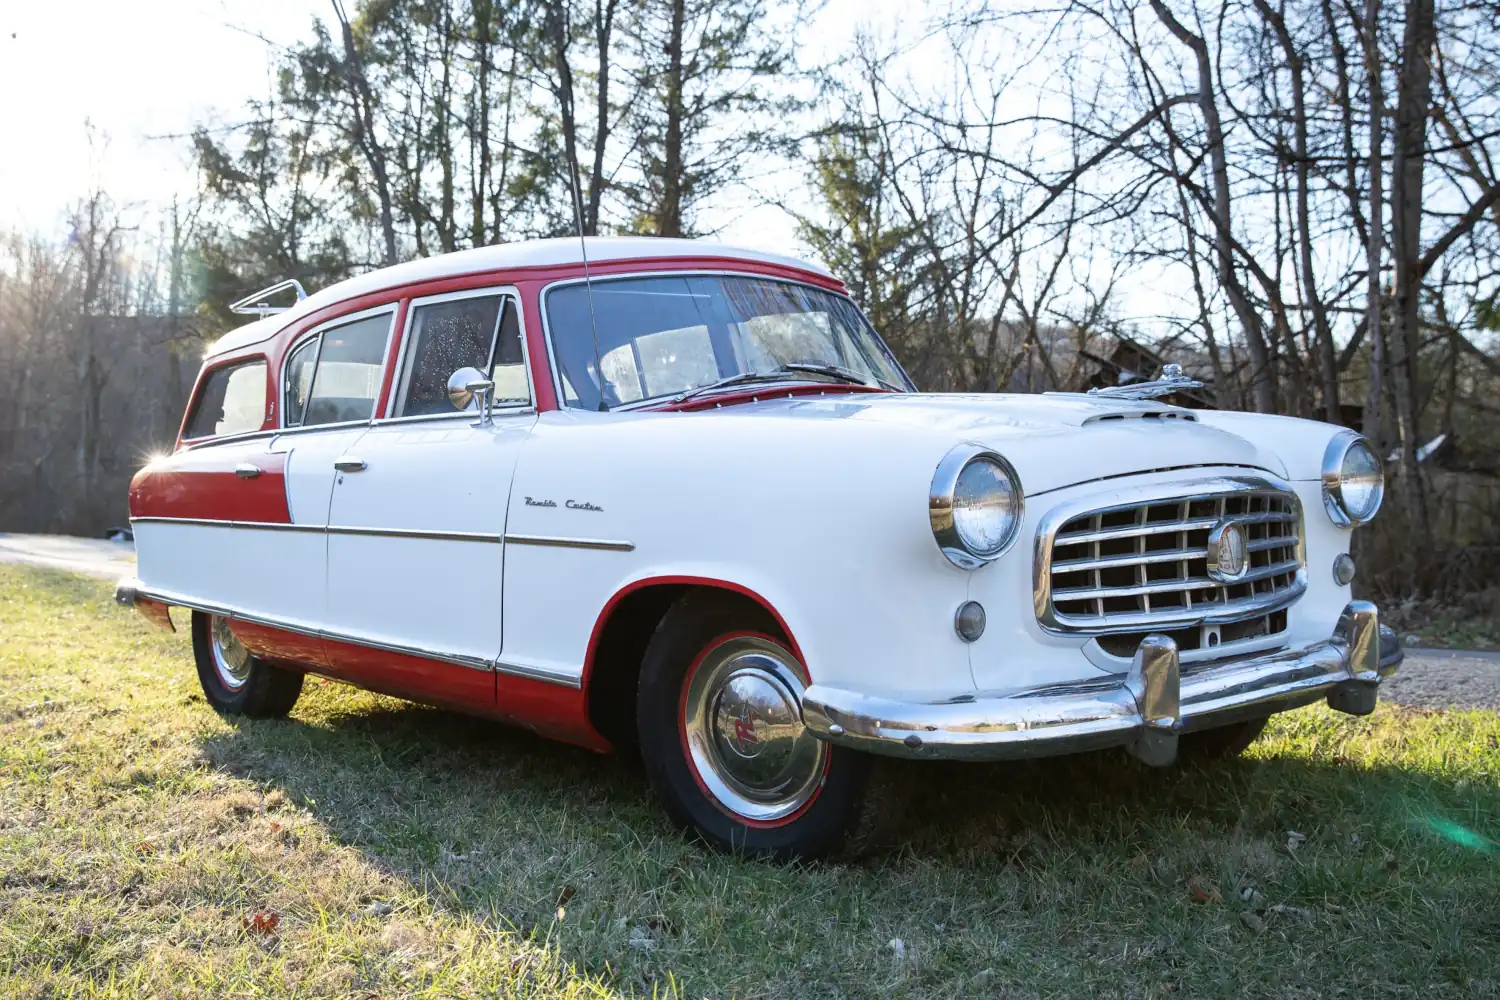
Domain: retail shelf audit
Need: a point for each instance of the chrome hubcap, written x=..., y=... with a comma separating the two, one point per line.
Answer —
x=231, y=658
x=743, y=720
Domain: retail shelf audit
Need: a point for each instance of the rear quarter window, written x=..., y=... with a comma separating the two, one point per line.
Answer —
x=232, y=401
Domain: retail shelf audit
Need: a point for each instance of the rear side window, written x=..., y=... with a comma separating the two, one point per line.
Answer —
x=482, y=332
x=335, y=376
x=232, y=401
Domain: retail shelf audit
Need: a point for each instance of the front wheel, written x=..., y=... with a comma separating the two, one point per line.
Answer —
x=234, y=681
x=719, y=713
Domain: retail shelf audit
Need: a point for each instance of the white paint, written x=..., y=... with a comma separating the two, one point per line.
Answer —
x=529, y=253
x=437, y=474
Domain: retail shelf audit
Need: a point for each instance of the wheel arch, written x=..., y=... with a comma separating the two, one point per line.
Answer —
x=621, y=633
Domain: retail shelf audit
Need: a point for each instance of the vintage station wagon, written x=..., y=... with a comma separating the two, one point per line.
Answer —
x=679, y=498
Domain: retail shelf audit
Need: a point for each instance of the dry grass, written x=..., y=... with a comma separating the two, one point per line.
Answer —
x=372, y=848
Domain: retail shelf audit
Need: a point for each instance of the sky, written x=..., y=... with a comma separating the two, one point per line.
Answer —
x=101, y=92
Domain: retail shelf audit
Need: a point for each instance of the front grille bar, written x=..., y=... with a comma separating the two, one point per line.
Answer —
x=1137, y=558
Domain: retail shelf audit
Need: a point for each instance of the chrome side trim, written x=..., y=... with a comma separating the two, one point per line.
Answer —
x=606, y=544
x=209, y=522
x=571, y=543
x=131, y=591
x=435, y=535
x=1145, y=709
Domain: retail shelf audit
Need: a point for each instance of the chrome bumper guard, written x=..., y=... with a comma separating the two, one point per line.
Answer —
x=1144, y=710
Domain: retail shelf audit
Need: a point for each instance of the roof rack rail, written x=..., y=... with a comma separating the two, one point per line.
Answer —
x=255, y=303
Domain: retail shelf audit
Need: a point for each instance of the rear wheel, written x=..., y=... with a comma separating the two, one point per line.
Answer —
x=1225, y=741
x=719, y=714
x=234, y=681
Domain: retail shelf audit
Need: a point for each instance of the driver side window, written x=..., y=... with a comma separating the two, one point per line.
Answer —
x=482, y=332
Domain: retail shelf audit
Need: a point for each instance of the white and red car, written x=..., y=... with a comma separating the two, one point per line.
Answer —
x=693, y=505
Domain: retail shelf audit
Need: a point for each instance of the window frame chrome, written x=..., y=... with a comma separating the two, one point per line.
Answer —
x=697, y=272
x=1333, y=478
x=940, y=505
x=1161, y=493
x=509, y=289
x=282, y=427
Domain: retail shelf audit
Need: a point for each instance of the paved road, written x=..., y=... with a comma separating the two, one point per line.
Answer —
x=95, y=557
x=1430, y=678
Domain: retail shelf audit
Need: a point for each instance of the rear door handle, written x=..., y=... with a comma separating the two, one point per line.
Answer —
x=350, y=465
x=246, y=470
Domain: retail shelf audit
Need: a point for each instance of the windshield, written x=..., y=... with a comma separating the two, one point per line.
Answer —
x=661, y=336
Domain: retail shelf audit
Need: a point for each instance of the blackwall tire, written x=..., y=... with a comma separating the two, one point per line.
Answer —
x=235, y=682
x=1222, y=742
x=727, y=757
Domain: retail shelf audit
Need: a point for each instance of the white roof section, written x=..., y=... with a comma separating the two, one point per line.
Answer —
x=529, y=253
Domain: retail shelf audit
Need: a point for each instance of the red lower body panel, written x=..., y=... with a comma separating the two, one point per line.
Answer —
x=552, y=710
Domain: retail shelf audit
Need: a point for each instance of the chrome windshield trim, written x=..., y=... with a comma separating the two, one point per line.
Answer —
x=562, y=404
x=571, y=543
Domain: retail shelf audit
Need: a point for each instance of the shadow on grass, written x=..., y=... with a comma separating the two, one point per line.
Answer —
x=504, y=824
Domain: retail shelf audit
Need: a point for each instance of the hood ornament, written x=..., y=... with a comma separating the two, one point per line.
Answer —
x=1172, y=379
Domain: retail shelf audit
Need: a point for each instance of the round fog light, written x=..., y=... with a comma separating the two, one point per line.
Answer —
x=969, y=621
x=1343, y=569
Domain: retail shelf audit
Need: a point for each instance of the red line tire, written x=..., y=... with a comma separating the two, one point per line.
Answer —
x=718, y=712
x=236, y=682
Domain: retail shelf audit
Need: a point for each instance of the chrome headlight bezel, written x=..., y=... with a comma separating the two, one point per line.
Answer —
x=1333, y=479
x=945, y=530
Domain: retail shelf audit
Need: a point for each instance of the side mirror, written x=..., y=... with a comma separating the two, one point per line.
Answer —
x=468, y=385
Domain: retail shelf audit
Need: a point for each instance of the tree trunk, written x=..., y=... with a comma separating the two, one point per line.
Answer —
x=1376, y=233
x=669, y=212
x=1413, y=97
x=1262, y=378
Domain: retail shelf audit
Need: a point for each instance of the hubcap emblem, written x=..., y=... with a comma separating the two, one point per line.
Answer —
x=744, y=740
x=1228, y=551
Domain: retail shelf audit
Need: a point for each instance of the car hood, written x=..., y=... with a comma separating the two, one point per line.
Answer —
x=1053, y=440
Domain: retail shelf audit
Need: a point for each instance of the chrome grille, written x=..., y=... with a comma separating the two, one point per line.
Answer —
x=1145, y=564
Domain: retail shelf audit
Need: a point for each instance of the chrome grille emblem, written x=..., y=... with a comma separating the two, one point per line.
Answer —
x=1228, y=551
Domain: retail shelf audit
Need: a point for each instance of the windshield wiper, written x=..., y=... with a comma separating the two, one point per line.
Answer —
x=839, y=372
x=782, y=371
x=724, y=382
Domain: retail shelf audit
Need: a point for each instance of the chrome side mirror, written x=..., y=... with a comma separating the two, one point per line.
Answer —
x=468, y=385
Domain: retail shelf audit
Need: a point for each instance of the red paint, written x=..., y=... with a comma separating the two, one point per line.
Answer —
x=528, y=280
x=687, y=753
x=748, y=395
x=201, y=482
x=693, y=581
x=253, y=352
x=155, y=612
x=552, y=710
x=280, y=645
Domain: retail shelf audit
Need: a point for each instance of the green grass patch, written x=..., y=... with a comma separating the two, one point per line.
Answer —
x=371, y=848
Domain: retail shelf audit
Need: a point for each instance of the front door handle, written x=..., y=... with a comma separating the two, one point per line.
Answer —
x=350, y=465
x=246, y=470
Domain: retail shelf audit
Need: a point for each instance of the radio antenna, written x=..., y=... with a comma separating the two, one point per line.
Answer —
x=588, y=283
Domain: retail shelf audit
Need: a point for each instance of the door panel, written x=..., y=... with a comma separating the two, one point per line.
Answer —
x=286, y=580
x=415, y=543
x=182, y=507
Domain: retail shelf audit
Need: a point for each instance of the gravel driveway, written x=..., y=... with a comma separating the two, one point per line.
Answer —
x=1430, y=678
x=1446, y=678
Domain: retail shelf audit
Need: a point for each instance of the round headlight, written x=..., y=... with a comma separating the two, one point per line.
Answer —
x=975, y=506
x=1353, y=480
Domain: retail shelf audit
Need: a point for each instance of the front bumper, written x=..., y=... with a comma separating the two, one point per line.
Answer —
x=1143, y=710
